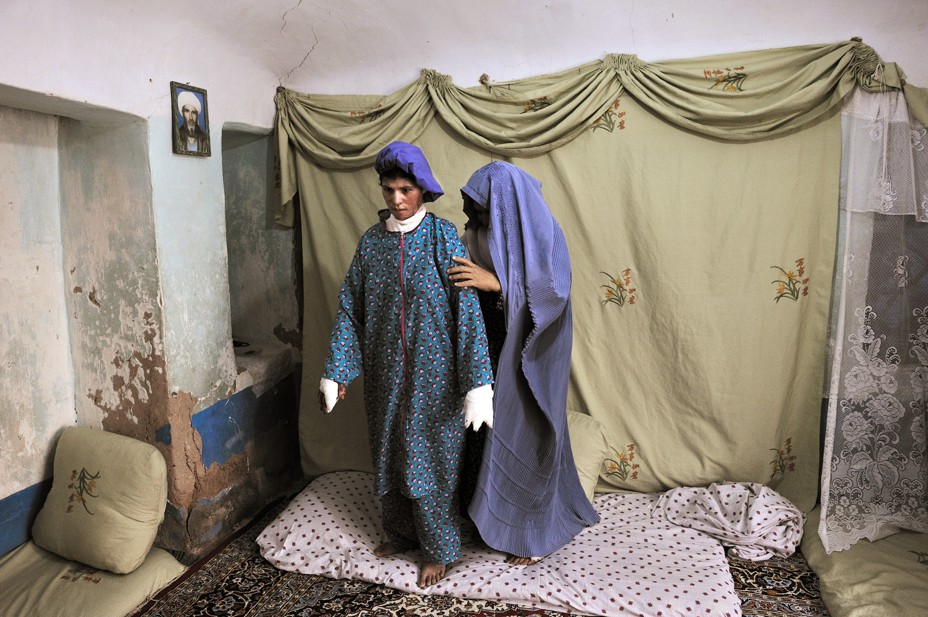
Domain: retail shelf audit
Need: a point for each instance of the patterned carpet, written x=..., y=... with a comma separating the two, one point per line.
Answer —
x=236, y=581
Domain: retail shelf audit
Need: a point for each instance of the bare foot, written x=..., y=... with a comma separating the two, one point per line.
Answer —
x=515, y=560
x=430, y=574
x=389, y=548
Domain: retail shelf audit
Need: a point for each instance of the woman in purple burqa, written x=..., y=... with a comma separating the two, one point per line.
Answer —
x=528, y=501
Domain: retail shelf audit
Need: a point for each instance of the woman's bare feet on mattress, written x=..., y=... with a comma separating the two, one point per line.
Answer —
x=389, y=548
x=430, y=574
x=515, y=560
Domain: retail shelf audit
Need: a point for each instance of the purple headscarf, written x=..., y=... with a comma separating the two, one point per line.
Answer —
x=410, y=159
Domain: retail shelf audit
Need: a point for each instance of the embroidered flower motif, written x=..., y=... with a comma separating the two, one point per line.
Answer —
x=535, y=104
x=367, y=116
x=611, y=119
x=784, y=460
x=901, y=272
x=83, y=484
x=919, y=351
x=728, y=80
x=918, y=430
x=622, y=466
x=619, y=290
x=855, y=428
x=859, y=383
x=921, y=557
x=918, y=138
x=921, y=335
x=885, y=409
x=885, y=195
x=869, y=463
x=79, y=573
x=919, y=381
x=793, y=283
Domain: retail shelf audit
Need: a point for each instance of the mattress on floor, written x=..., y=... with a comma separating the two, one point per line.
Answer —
x=633, y=562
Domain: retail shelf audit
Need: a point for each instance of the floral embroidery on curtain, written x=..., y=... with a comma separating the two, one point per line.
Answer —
x=618, y=290
x=728, y=80
x=611, y=119
x=784, y=460
x=792, y=283
x=875, y=477
x=622, y=465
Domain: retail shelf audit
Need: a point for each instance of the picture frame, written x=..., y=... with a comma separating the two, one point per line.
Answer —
x=190, y=125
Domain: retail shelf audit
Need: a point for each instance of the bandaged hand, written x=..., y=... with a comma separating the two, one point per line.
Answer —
x=329, y=393
x=478, y=407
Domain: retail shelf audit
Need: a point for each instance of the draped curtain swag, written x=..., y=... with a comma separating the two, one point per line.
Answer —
x=721, y=173
x=799, y=85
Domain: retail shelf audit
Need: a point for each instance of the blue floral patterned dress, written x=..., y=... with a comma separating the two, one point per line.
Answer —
x=422, y=345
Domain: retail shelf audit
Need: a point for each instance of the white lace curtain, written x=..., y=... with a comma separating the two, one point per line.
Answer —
x=875, y=471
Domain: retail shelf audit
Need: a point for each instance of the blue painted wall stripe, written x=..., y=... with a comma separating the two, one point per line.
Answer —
x=226, y=427
x=17, y=511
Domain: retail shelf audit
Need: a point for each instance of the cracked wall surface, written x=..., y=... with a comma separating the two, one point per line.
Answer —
x=225, y=463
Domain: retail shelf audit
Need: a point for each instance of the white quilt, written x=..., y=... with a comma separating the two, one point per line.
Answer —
x=632, y=563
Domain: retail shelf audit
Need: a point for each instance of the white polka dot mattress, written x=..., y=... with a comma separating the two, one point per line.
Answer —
x=633, y=562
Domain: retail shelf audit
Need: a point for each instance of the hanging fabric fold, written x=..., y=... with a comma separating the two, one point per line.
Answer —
x=735, y=97
x=660, y=212
x=528, y=117
x=321, y=129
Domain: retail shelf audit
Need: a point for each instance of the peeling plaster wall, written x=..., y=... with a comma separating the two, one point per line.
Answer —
x=262, y=280
x=111, y=267
x=36, y=377
x=240, y=453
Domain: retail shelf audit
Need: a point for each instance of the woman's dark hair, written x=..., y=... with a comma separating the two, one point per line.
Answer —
x=395, y=173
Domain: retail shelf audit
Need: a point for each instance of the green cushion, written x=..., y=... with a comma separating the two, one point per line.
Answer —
x=106, y=502
x=885, y=578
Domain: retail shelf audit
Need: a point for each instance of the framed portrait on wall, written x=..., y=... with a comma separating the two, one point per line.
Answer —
x=190, y=129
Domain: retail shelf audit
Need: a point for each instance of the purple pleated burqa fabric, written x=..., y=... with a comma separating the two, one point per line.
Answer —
x=529, y=501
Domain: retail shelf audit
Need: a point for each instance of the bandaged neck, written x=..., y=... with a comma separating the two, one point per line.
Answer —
x=407, y=225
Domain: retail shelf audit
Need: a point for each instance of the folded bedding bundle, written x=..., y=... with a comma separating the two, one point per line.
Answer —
x=752, y=519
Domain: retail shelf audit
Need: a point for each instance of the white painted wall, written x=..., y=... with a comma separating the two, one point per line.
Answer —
x=365, y=47
x=190, y=220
